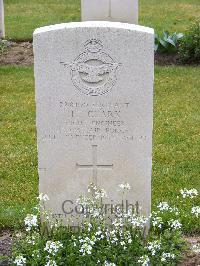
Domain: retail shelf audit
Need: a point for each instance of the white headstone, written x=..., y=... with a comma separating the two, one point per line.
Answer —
x=94, y=98
x=111, y=10
x=2, y=25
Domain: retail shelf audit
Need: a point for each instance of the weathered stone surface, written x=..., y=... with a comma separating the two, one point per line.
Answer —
x=111, y=10
x=2, y=23
x=94, y=97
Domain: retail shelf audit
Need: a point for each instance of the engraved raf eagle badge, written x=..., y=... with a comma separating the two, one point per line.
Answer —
x=93, y=72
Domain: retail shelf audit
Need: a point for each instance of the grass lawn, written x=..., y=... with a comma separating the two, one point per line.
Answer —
x=23, y=16
x=176, y=157
x=18, y=158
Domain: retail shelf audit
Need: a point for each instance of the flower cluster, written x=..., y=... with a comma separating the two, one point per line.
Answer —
x=144, y=260
x=175, y=224
x=137, y=221
x=153, y=247
x=20, y=260
x=118, y=237
x=92, y=206
x=167, y=256
x=86, y=245
x=31, y=239
x=196, y=211
x=99, y=240
x=98, y=193
x=191, y=193
x=51, y=262
x=36, y=254
x=43, y=197
x=157, y=221
x=31, y=221
x=163, y=206
x=106, y=263
x=124, y=187
x=99, y=234
x=53, y=247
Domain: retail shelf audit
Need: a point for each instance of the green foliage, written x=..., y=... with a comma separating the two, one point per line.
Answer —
x=23, y=17
x=176, y=146
x=186, y=209
x=99, y=242
x=173, y=15
x=167, y=43
x=189, y=49
x=18, y=157
x=3, y=46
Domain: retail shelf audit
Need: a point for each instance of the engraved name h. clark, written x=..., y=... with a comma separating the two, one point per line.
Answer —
x=93, y=72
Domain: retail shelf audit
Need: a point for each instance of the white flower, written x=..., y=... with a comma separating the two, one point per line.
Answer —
x=138, y=221
x=89, y=226
x=122, y=243
x=166, y=256
x=91, y=187
x=87, y=244
x=196, y=248
x=196, y=211
x=107, y=263
x=153, y=247
x=118, y=222
x=175, y=224
x=129, y=240
x=54, y=224
x=99, y=234
x=19, y=235
x=36, y=254
x=30, y=221
x=125, y=186
x=144, y=260
x=53, y=247
x=191, y=193
x=118, y=211
x=43, y=197
x=51, y=263
x=127, y=235
x=31, y=240
x=100, y=194
x=20, y=260
x=157, y=221
x=95, y=213
x=163, y=206
x=86, y=249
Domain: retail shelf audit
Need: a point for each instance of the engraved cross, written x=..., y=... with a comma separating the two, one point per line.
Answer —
x=94, y=166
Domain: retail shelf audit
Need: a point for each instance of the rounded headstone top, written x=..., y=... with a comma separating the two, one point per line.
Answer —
x=94, y=24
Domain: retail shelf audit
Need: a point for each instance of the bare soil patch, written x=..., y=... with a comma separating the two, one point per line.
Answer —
x=191, y=258
x=167, y=59
x=17, y=54
x=5, y=247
